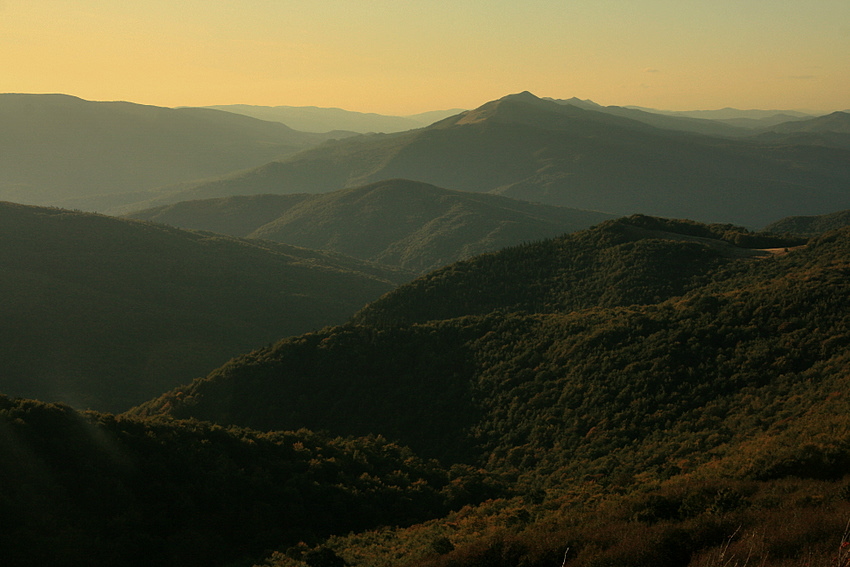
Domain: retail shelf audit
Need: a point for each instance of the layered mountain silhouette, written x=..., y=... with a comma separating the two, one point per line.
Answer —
x=531, y=149
x=316, y=119
x=104, y=313
x=645, y=392
x=407, y=224
x=831, y=130
x=659, y=119
x=65, y=151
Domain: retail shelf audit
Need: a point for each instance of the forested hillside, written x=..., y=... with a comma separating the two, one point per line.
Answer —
x=660, y=427
x=811, y=226
x=93, y=489
x=637, y=260
x=397, y=222
x=105, y=313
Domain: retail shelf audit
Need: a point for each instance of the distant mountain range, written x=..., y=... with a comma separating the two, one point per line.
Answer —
x=316, y=119
x=64, y=151
x=104, y=313
x=120, y=157
x=407, y=224
x=536, y=150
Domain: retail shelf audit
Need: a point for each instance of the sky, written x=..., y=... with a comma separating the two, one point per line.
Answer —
x=408, y=56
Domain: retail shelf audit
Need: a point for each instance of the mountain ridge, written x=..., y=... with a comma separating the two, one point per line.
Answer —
x=567, y=156
x=57, y=148
x=321, y=120
x=103, y=312
x=602, y=270
x=411, y=225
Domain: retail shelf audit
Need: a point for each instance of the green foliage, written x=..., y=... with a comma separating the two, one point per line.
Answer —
x=604, y=393
x=638, y=260
x=350, y=380
x=653, y=422
x=653, y=393
x=811, y=226
x=94, y=489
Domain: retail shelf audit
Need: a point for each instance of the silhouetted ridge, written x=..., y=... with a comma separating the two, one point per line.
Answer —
x=104, y=313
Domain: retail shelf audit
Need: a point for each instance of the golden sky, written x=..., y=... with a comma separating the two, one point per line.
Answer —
x=404, y=57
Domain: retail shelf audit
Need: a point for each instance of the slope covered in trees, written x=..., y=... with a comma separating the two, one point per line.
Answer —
x=537, y=150
x=400, y=223
x=105, y=313
x=93, y=489
x=811, y=226
x=465, y=363
x=701, y=419
x=636, y=260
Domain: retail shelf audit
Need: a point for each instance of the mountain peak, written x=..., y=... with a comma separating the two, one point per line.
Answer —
x=524, y=96
x=499, y=108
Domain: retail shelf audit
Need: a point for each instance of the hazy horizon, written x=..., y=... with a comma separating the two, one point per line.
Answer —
x=403, y=59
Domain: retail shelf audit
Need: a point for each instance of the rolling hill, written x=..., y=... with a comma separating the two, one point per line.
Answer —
x=834, y=122
x=690, y=416
x=427, y=346
x=696, y=411
x=93, y=489
x=810, y=226
x=407, y=224
x=831, y=130
x=104, y=313
x=60, y=150
x=537, y=150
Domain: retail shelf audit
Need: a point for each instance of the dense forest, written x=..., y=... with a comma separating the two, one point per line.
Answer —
x=695, y=418
x=647, y=392
x=810, y=226
x=95, y=489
